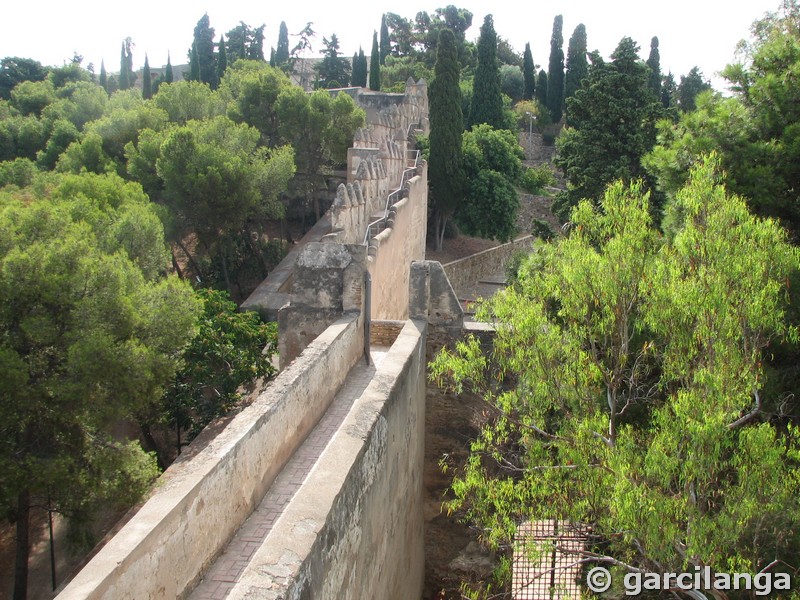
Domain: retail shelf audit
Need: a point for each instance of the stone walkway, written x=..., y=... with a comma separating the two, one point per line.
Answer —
x=223, y=574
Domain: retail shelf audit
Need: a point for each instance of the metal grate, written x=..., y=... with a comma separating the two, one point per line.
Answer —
x=545, y=553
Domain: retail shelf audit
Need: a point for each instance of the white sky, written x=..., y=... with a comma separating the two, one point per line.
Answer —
x=699, y=32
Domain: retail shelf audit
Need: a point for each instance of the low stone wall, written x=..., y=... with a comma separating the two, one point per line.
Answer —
x=355, y=527
x=468, y=271
x=162, y=551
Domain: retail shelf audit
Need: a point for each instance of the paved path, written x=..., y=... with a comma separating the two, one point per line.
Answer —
x=223, y=574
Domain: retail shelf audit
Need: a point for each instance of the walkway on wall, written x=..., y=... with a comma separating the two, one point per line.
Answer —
x=222, y=575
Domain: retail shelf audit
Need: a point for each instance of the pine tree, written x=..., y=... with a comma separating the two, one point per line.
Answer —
x=282, y=49
x=541, y=88
x=555, y=70
x=385, y=45
x=124, y=79
x=445, y=168
x=103, y=76
x=375, y=65
x=168, y=77
x=222, y=58
x=654, y=62
x=577, y=64
x=487, y=99
x=528, y=74
x=333, y=71
x=147, y=81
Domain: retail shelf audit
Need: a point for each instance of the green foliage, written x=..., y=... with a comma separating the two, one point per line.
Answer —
x=689, y=88
x=385, y=46
x=535, y=179
x=320, y=128
x=654, y=63
x=542, y=230
x=216, y=177
x=493, y=165
x=253, y=88
x=374, y=65
x=19, y=172
x=555, y=70
x=614, y=117
x=360, y=69
x=222, y=58
x=637, y=370
x=282, y=49
x=61, y=136
x=541, y=88
x=15, y=70
x=230, y=350
x=512, y=83
x=487, y=102
x=397, y=70
x=528, y=74
x=31, y=97
x=333, y=69
x=188, y=100
x=577, y=64
x=202, y=52
x=244, y=42
x=88, y=339
x=755, y=132
x=445, y=168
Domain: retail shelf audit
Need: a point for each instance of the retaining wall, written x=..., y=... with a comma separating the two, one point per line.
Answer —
x=468, y=271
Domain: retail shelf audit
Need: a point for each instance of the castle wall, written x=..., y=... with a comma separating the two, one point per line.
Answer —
x=392, y=250
x=202, y=500
x=355, y=528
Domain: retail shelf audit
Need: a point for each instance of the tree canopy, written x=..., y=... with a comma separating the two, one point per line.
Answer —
x=487, y=101
x=636, y=397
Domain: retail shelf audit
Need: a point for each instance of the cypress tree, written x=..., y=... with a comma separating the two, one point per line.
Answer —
x=124, y=78
x=194, y=64
x=577, y=64
x=282, y=50
x=555, y=71
x=147, y=82
x=204, y=48
x=168, y=77
x=222, y=58
x=103, y=76
x=445, y=168
x=487, y=99
x=360, y=69
x=385, y=45
x=541, y=88
x=528, y=74
x=375, y=65
x=654, y=62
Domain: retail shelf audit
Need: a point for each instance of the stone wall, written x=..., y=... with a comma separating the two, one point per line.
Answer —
x=393, y=249
x=327, y=281
x=355, y=527
x=200, y=502
x=467, y=271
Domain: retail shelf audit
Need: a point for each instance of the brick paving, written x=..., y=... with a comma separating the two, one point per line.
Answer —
x=223, y=574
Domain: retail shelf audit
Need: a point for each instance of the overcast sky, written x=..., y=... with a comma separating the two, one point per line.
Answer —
x=697, y=32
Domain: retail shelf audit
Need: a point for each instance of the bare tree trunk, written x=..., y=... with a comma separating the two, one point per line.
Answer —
x=23, y=545
x=192, y=263
x=175, y=264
